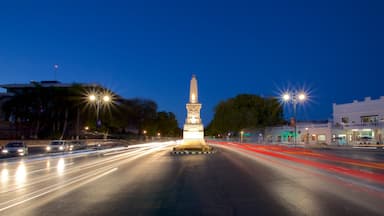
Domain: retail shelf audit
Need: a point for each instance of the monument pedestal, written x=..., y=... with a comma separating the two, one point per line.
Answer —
x=193, y=139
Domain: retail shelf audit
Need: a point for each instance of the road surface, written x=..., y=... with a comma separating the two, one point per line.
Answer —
x=148, y=180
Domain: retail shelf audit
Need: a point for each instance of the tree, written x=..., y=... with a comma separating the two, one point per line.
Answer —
x=245, y=111
x=167, y=124
x=47, y=112
x=138, y=115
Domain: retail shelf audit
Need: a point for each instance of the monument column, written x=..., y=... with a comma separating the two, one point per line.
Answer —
x=193, y=132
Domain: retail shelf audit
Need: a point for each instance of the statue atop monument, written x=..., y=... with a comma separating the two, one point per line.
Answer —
x=193, y=133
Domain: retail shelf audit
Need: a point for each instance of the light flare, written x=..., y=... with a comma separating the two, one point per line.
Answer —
x=60, y=166
x=21, y=174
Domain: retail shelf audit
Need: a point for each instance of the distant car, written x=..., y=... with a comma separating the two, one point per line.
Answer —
x=76, y=145
x=15, y=148
x=57, y=146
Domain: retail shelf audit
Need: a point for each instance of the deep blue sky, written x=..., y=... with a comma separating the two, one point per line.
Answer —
x=150, y=49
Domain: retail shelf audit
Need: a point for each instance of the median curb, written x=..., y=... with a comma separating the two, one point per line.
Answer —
x=191, y=152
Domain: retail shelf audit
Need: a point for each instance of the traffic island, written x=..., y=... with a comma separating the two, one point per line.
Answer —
x=193, y=147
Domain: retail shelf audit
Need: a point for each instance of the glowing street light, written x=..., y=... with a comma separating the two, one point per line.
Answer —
x=241, y=136
x=106, y=98
x=99, y=99
x=294, y=97
x=286, y=97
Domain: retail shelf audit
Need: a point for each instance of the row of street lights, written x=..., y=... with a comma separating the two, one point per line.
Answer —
x=295, y=97
x=99, y=99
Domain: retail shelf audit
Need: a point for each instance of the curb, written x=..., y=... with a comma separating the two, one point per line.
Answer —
x=191, y=152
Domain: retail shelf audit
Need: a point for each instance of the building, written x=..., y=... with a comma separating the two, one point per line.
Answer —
x=356, y=123
x=18, y=88
x=359, y=122
x=315, y=132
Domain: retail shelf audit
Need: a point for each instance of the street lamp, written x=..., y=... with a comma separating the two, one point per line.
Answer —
x=99, y=99
x=241, y=136
x=294, y=97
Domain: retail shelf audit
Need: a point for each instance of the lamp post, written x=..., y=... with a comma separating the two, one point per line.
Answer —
x=294, y=97
x=99, y=99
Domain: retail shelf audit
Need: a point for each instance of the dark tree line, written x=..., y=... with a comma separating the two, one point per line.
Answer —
x=44, y=111
x=141, y=117
x=245, y=111
x=63, y=112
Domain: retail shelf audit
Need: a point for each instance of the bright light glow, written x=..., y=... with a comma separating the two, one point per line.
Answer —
x=48, y=148
x=302, y=96
x=286, y=97
x=5, y=151
x=61, y=147
x=60, y=166
x=48, y=165
x=192, y=135
x=4, y=175
x=193, y=97
x=193, y=120
x=106, y=98
x=92, y=97
x=21, y=174
x=86, y=128
x=20, y=150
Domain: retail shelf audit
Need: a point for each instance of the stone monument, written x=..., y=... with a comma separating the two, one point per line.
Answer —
x=193, y=133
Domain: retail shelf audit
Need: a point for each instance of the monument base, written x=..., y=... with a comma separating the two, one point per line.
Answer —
x=192, y=146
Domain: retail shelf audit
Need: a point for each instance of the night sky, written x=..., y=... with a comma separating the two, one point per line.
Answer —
x=150, y=49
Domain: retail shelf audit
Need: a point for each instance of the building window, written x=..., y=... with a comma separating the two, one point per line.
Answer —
x=369, y=119
x=345, y=120
x=313, y=137
x=321, y=138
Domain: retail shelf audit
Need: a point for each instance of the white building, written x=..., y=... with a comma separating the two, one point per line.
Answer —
x=359, y=122
x=307, y=133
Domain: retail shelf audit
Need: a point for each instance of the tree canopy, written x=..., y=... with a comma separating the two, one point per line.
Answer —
x=63, y=112
x=245, y=111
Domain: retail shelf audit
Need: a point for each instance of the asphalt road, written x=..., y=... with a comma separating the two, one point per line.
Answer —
x=148, y=180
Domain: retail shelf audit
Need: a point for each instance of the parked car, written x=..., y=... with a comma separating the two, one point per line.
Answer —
x=15, y=148
x=57, y=146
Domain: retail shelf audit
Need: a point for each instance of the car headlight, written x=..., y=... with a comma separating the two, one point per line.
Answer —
x=5, y=151
x=20, y=150
x=61, y=147
x=48, y=148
